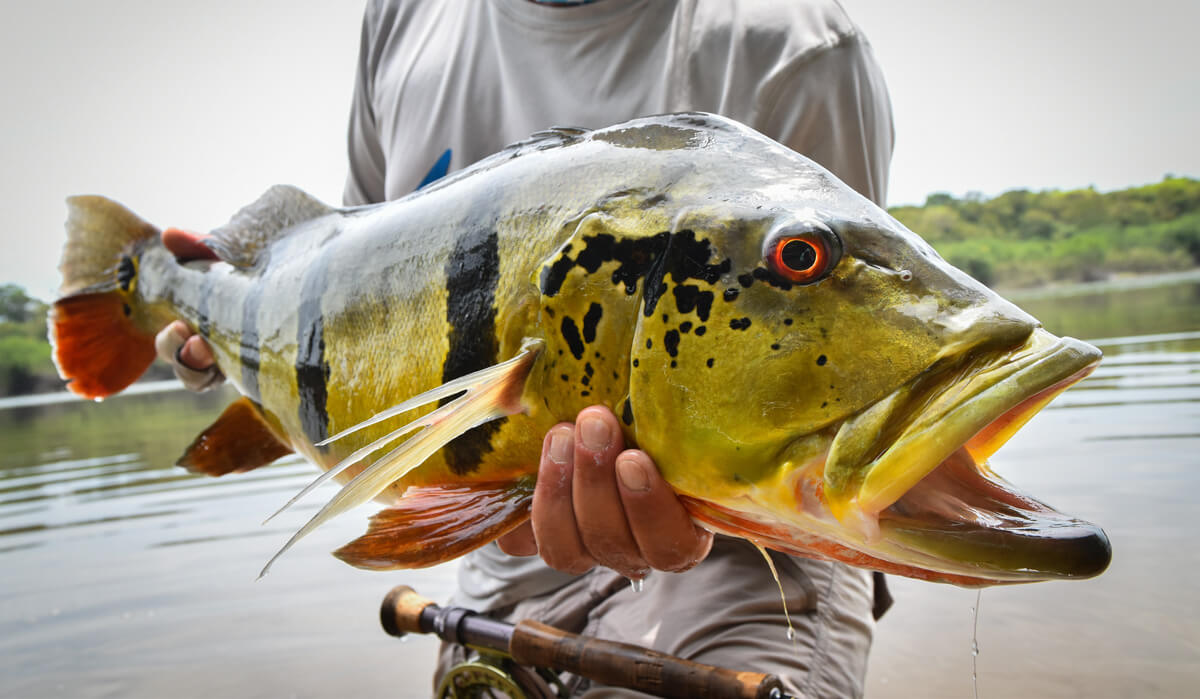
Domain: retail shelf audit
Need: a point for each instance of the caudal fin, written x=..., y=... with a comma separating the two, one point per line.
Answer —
x=99, y=345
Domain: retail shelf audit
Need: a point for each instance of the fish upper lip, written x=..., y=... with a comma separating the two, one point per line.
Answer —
x=955, y=412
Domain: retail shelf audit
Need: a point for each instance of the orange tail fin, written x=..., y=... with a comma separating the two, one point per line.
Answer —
x=99, y=345
x=433, y=524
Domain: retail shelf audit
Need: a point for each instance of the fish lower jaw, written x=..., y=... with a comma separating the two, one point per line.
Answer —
x=963, y=519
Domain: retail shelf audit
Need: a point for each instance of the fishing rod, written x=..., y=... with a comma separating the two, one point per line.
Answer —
x=508, y=652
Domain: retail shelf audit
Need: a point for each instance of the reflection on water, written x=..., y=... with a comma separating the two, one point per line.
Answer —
x=124, y=576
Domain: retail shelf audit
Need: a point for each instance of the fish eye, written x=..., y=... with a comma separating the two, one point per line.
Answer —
x=802, y=254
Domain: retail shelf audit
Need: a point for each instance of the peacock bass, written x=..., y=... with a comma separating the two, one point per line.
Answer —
x=806, y=372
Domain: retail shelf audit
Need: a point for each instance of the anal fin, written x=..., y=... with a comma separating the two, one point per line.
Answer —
x=435, y=524
x=238, y=441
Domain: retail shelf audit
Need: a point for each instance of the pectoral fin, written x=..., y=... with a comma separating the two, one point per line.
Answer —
x=487, y=395
x=434, y=524
x=238, y=441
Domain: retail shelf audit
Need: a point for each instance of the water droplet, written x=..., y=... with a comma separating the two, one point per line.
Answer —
x=791, y=633
x=637, y=585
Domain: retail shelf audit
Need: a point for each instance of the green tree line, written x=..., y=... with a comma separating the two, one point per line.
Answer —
x=1023, y=238
x=25, y=365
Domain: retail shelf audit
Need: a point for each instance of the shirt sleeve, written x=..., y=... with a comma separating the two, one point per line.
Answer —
x=832, y=105
x=367, y=166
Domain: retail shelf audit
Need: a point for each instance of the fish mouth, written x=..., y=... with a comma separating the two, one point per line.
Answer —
x=964, y=513
x=910, y=474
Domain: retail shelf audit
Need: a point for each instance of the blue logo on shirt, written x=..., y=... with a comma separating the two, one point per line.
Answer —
x=438, y=171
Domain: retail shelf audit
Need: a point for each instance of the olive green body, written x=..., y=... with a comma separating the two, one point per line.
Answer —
x=637, y=255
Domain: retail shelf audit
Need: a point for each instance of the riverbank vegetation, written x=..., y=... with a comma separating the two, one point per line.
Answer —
x=1023, y=238
x=25, y=365
x=1018, y=239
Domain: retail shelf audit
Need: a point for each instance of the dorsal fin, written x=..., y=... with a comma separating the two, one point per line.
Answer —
x=252, y=229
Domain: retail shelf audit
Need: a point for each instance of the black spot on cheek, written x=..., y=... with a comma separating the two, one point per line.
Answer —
x=671, y=342
x=673, y=364
x=709, y=362
x=555, y=274
x=787, y=321
x=565, y=377
x=745, y=280
x=821, y=360
x=570, y=333
x=701, y=330
x=635, y=363
x=627, y=413
x=685, y=326
x=739, y=323
x=590, y=320
x=689, y=297
x=775, y=346
x=731, y=294
x=649, y=343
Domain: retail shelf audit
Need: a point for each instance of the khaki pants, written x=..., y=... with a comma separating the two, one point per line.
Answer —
x=727, y=612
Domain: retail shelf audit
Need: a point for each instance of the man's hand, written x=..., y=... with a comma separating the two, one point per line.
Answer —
x=189, y=355
x=596, y=504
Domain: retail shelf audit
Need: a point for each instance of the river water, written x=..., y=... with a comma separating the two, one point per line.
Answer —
x=122, y=576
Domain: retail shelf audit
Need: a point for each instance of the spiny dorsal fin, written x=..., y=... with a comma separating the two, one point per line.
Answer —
x=252, y=229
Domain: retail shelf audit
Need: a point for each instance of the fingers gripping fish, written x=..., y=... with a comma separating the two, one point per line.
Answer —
x=806, y=372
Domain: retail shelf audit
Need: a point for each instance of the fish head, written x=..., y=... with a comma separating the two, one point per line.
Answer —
x=809, y=374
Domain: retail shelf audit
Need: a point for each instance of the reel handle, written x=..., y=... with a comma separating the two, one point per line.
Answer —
x=400, y=612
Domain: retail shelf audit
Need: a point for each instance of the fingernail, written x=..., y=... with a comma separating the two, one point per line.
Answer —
x=560, y=446
x=632, y=474
x=595, y=433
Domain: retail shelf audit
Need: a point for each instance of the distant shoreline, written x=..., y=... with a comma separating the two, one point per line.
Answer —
x=29, y=400
x=1131, y=281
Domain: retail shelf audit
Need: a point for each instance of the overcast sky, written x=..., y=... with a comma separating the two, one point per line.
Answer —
x=186, y=111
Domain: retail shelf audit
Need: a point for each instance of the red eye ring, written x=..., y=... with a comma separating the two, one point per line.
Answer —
x=801, y=258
